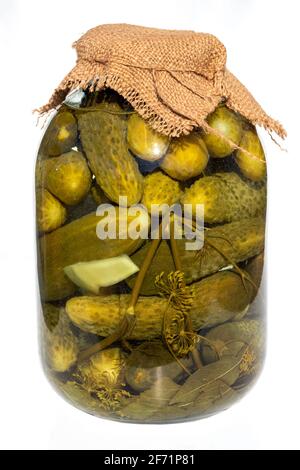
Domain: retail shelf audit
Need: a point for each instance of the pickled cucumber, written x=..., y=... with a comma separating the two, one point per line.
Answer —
x=68, y=178
x=61, y=346
x=252, y=166
x=77, y=242
x=227, y=123
x=143, y=141
x=186, y=158
x=103, y=137
x=160, y=189
x=255, y=268
x=237, y=241
x=218, y=298
x=51, y=214
x=226, y=197
x=61, y=135
x=43, y=165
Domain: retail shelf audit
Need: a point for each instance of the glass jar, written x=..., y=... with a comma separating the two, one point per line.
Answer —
x=150, y=261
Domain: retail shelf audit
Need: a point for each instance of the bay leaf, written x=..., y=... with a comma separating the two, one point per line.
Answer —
x=214, y=398
x=232, y=337
x=225, y=371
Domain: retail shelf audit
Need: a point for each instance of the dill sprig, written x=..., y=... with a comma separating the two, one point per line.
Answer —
x=177, y=335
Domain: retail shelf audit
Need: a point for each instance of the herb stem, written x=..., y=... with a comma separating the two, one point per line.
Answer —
x=128, y=321
x=143, y=271
x=178, y=267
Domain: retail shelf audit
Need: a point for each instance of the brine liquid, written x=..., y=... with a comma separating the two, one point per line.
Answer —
x=139, y=324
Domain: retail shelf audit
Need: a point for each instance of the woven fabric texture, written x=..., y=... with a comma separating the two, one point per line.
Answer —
x=173, y=79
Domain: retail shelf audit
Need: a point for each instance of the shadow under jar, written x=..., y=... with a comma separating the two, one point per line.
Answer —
x=139, y=324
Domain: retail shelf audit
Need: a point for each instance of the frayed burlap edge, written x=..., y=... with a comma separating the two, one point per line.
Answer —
x=156, y=121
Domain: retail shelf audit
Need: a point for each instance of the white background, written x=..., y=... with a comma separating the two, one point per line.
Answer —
x=262, y=39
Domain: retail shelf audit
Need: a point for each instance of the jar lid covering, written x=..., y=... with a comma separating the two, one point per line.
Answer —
x=173, y=79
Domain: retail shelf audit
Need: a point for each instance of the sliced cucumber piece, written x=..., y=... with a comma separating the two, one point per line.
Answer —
x=91, y=275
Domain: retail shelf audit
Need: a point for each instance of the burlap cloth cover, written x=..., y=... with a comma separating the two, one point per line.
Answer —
x=173, y=79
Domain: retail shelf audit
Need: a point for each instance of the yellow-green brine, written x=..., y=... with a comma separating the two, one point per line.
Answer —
x=150, y=260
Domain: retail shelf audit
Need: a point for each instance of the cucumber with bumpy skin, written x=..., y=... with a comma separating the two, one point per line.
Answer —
x=50, y=213
x=236, y=242
x=75, y=242
x=252, y=163
x=229, y=125
x=217, y=299
x=69, y=178
x=103, y=138
x=61, y=134
x=226, y=197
